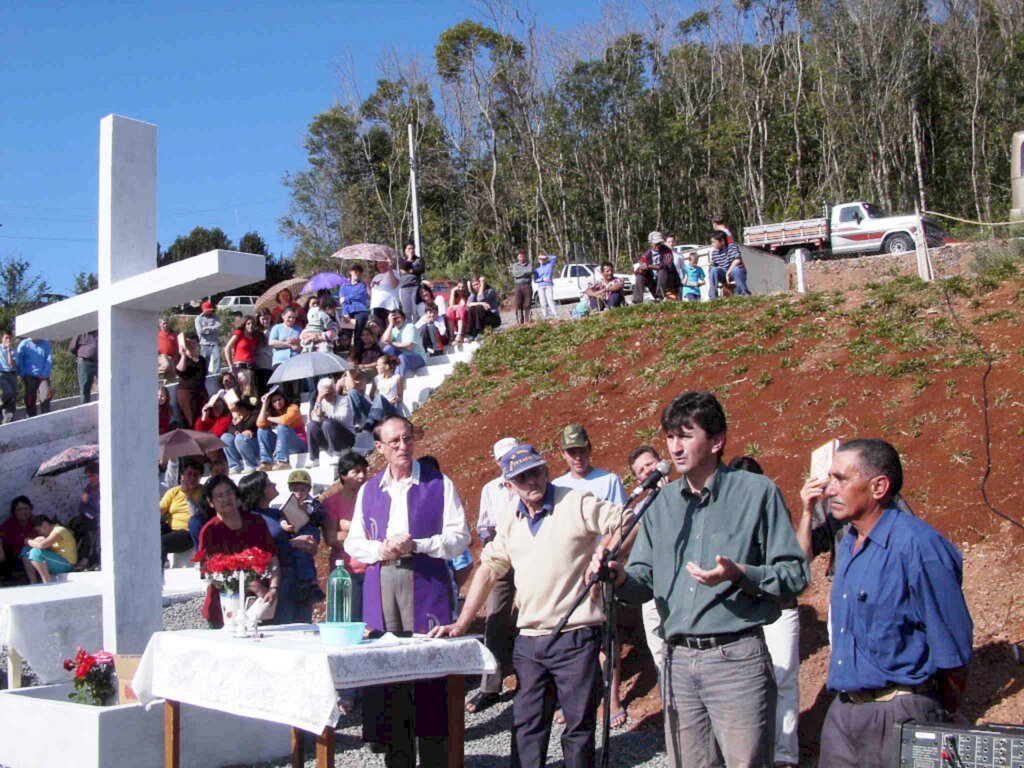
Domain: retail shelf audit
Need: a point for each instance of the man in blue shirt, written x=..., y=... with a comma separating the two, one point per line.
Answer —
x=901, y=631
x=35, y=359
x=543, y=281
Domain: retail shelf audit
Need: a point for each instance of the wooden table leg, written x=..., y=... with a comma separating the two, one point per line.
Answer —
x=13, y=667
x=325, y=748
x=456, y=721
x=298, y=753
x=172, y=734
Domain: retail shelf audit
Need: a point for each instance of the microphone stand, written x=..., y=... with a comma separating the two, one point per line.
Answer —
x=605, y=577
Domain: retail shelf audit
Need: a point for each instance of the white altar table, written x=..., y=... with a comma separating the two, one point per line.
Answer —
x=289, y=676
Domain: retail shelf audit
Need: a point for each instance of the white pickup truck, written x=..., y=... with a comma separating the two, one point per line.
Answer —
x=573, y=280
x=856, y=227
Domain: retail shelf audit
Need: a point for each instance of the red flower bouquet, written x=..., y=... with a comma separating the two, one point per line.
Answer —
x=223, y=570
x=94, y=677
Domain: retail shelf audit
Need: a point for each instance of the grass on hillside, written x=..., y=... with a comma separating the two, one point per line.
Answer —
x=901, y=329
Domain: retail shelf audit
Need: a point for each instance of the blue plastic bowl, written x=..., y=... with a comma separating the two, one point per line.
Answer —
x=342, y=632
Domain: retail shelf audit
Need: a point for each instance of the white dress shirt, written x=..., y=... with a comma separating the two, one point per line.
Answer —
x=496, y=498
x=451, y=542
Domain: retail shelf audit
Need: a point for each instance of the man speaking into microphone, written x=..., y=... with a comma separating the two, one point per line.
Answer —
x=717, y=552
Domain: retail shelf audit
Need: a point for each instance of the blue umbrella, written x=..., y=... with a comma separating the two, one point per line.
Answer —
x=322, y=281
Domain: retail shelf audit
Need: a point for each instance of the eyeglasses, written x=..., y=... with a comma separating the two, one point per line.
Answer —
x=396, y=442
x=226, y=496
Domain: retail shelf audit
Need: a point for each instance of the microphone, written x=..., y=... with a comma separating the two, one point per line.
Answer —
x=663, y=469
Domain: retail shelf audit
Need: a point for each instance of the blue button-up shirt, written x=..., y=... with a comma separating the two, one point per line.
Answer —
x=534, y=522
x=898, y=610
x=34, y=358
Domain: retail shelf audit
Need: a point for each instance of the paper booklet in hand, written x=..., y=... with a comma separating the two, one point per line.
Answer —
x=294, y=513
x=821, y=464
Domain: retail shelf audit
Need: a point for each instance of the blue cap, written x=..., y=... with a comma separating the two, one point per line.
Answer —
x=520, y=459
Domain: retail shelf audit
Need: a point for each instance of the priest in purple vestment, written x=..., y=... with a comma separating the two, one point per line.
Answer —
x=408, y=522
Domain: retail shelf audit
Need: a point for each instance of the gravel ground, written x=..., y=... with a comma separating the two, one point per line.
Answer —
x=488, y=744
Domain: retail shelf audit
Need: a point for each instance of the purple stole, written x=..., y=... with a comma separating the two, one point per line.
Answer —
x=431, y=585
x=431, y=581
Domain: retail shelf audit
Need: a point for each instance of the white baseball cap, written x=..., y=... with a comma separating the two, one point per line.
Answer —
x=503, y=446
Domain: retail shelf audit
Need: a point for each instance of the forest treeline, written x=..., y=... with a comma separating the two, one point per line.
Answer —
x=581, y=143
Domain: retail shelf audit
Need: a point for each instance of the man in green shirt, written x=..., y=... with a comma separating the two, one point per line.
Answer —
x=717, y=552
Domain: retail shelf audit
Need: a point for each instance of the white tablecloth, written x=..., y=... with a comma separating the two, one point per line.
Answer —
x=289, y=676
x=45, y=623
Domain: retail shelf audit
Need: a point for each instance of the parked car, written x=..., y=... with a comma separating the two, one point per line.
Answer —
x=573, y=280
x=856, y=227
x=243, y=305
x=442, y=288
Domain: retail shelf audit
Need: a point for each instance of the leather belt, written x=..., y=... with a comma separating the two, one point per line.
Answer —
x=706, y=642
x=886, y=694
x=402, y=562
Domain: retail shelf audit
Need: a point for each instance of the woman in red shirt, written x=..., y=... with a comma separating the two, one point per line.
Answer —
x=214, y=417
x=230, y=532
x=240, y=351
x=284, y=301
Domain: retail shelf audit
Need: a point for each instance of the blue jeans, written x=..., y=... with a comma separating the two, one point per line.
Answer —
x=369, y=412
x=212, y=354
x=278, y=444
x=407, y=361
x=86, y=378
x=724, y=695
x=242, y=452
x=717, y=277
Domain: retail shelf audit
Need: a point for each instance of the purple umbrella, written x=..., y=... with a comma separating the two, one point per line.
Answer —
x=324, y=281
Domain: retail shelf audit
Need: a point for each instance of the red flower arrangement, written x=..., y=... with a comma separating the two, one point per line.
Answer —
x=222, y=570
x=94, y=677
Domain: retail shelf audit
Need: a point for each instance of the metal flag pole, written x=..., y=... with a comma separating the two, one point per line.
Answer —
x=415, y=199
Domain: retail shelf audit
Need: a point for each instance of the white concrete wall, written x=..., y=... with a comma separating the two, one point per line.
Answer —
x=25, y=444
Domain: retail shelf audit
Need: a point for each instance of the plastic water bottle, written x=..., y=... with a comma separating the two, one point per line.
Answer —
x=339, y=594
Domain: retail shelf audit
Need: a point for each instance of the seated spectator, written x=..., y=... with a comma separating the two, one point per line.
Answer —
x=89, y=502
x=321, y=329
x=191, y=370
x=389, y=383
x=52, y=551
x=581, y=308
x=458, y=316
x=228, y=382
x=165, y=415
x=255, y=492
x=427, y=297
x=484, y=307
x=240, y=443
x=331, y=423
x=668, y=277
x=177, y=508
x=605, y=291
x=15, y=532
x=727, y=266
x=231, y=531
x=694, y=278
x=433, y=330
x=286, y=302
x=402, y=340
x=280, y=431
x=385, y=398
x=214, y=417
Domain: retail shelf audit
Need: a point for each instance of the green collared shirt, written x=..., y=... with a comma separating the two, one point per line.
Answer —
x=739, y=515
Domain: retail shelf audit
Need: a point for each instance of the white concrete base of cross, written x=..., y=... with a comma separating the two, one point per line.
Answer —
x=125, y=309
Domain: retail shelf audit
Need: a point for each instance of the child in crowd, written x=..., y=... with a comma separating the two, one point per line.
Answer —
x=52, y=551
x=694, y=278
x=388, y=384
x=306, y=588
x=433, y=330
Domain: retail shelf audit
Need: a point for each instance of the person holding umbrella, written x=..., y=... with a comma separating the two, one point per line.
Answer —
x=355, y=302
x=384, y=291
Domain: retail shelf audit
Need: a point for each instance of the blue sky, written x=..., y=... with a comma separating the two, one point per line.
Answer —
x=231, y=87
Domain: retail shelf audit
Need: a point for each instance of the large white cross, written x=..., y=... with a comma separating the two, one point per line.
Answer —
x=125, y=309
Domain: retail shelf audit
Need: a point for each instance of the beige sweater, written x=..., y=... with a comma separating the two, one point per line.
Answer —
x=550, y=567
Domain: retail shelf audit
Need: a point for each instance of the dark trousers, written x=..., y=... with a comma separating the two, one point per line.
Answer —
x=500, y=630
x=863, y=735
x=175, y=541
x=32, y=385
x=564, y=669
x=643, y=280
x=360, y=319
x=329, y=434
x=8, y=396
x=389, y=711
x=86, y=378
x=431, y=338
x=523, y=301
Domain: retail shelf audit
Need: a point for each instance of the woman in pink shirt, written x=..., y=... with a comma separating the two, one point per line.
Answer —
x=352, y=473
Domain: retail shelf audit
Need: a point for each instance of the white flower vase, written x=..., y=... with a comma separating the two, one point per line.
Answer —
x=230, y=607
x=241, y=630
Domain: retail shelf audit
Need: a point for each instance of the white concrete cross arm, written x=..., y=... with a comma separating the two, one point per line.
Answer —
x=155, y=290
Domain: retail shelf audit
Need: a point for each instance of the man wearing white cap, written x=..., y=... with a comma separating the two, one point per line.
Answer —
x=647, y=269
x=500, y=632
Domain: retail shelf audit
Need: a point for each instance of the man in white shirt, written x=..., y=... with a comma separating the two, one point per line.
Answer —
x=407, y=524
x=496, y=497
